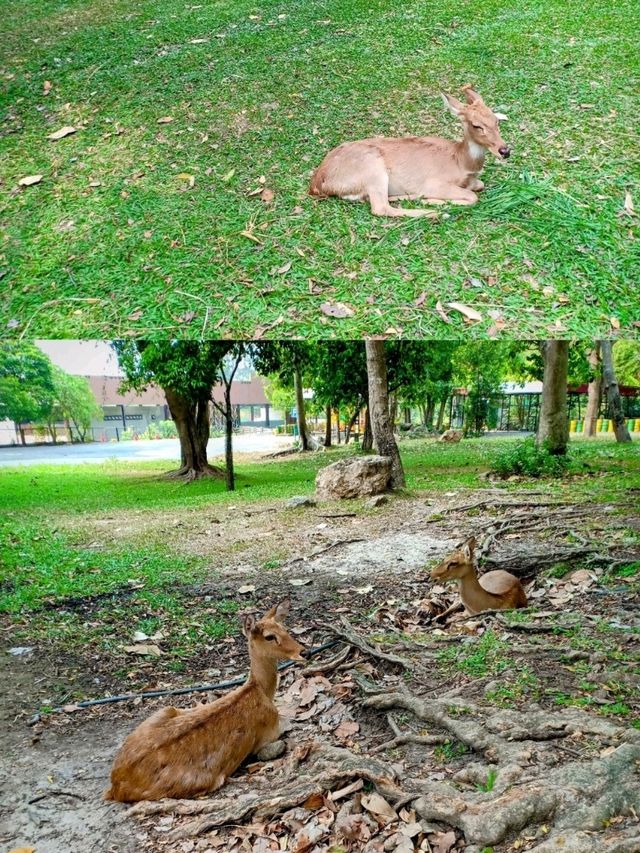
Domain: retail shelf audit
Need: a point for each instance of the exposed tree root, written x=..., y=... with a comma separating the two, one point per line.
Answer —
x=531, y=788
x=346, y=631
x=188, y=475
x=325, y=768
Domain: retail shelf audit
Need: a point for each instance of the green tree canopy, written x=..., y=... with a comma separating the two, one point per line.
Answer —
x=26, y=383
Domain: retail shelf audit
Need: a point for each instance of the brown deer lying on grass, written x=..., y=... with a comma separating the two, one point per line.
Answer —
x=381, y=169
x=178, y=753
x=492, y=591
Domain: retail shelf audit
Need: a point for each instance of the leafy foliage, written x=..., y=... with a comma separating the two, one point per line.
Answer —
x=73, y=402
x=530, y=460
x=26, y=383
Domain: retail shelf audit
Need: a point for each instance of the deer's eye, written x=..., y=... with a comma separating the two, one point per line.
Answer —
x=478, y=127
x=271, y=637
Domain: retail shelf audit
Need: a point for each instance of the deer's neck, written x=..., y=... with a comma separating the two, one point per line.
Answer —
x=265, y=675
x=471, y=154
x=474, y=597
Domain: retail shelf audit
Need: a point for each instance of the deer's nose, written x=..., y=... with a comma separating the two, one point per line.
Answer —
x=504, y=152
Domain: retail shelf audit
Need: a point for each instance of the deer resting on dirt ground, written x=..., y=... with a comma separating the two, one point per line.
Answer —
x=492, y=591
x=184, y=753
x=381, y=169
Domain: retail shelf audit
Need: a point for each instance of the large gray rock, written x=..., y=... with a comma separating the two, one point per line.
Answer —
x=354, y=478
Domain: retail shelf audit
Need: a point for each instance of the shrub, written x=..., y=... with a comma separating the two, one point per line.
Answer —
x=530, y=460
x=167, y=429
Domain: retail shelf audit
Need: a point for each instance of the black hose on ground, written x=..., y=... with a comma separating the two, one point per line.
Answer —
x=177, y=691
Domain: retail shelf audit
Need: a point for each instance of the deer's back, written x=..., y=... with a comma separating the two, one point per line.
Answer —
x=179, y=753
x=506, y=585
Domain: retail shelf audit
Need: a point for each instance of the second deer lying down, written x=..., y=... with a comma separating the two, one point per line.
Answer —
x=380, y=170
x=178, y=753
x=492, y=591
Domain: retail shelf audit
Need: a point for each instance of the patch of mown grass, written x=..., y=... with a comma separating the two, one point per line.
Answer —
x=40, y=565
x=267, y=91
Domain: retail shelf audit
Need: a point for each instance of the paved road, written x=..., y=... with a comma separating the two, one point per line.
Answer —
x=137, y=451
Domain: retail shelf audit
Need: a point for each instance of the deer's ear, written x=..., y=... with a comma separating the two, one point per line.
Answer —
x=279, y=611
x=471, y=95
x=452, y=104
x=469, y=547
x=248, y=625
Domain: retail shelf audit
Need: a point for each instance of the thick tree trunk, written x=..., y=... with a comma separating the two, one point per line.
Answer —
x=381, y=424
x=595, y=390
x=192, y=422
x=553, y=429
x=613, y=392
x=441, y=411
x=327, y=428
x=302, y=421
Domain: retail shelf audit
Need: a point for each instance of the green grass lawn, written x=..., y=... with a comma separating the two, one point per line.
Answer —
x=147, y=227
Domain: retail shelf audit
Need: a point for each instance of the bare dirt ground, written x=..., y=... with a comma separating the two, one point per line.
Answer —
x=497, y=733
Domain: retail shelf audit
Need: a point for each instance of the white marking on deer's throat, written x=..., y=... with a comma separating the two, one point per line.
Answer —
x=476, y=151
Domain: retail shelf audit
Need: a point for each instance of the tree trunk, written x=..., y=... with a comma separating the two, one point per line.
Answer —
x=350, y=424
x=228, y=439
x=338, y=436
x=393, y=409
x=192, y=422
x=441, y=411
x=381, y=424
x=367, y=435
x=327, y=428
x=553, y=429
x=20, y=431
x=613, y=392
x=302, y=421
x=595, y=390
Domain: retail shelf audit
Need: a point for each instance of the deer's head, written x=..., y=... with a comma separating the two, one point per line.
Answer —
x=268, y=638
x=480, y=122
x=457, y=564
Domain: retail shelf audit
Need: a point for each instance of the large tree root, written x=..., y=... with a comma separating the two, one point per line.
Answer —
x=531, y=789
x=187, y=474
x=325, y=768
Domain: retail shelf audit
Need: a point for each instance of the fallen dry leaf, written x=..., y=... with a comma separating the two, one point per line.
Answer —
x=470, y=314
x=60, y=134
x=336, y=309
x=628, y=208
x=47, y=87
x=185, y=176
x=30, y=180
x=144, y=649
x=379, y=808
x=443, y=842
x=346, y=729
x=283, y=269
x=248, y=587
x=419, y=302
x=443, y=314
x=615, y=323
x=165, y=120
x=267, y=195
x=135, y=315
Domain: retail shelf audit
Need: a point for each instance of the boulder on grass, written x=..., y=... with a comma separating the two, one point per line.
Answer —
x=354, y=478
x=454, y=435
